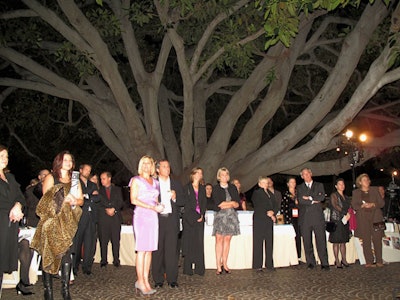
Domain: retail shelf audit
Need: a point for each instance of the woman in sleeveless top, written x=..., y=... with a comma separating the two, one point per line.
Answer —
x=144, y=195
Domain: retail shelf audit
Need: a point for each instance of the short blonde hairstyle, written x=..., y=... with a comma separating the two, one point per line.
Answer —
x=360, y=177
x=223, y=169
x=153, y=165
x=261, y=178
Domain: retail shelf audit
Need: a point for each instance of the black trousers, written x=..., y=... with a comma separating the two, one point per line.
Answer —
x=194, y=248
x=165, y=259
x=263, y=236
x=307, y=227
x=86, y=236
x=109, y=229
x=296, y=226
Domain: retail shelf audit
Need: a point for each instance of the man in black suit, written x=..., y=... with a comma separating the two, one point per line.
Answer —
x=86, y=234
x=263, y=226
x=277, y=196
x=110, y=218
x=311, y=218
x=165, y=259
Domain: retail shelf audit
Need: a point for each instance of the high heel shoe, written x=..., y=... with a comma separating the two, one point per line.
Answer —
x=338, y=265
x=345, y=264
x=25, y=284
x=227, y=271
x=22, y=290
x=219, y=272
x=141, y=288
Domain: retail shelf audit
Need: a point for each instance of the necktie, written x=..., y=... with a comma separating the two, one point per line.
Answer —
x=108, y=193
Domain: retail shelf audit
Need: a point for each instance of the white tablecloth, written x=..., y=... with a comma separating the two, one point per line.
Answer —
x=241, y=250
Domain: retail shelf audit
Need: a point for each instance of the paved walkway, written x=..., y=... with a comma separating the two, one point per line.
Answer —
x=295, y=282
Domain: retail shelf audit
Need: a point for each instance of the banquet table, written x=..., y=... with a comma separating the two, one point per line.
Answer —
x=241, y=250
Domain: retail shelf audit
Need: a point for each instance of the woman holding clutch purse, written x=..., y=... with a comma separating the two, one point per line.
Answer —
x=367, y=202
x=59, y=213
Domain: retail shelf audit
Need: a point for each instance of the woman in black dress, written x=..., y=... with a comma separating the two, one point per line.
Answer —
x=193, y=224
x=11, y=202
x=290, y=210
x=339, y=205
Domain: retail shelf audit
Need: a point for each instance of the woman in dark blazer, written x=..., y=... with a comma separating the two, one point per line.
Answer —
x=11, y=202
x=263, y=225
x=193, y=224
x=367, y=202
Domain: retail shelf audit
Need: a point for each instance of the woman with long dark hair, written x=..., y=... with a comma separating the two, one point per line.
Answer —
x=193, y=224
x=11, y=203
x=339, y=205
x=59, y=213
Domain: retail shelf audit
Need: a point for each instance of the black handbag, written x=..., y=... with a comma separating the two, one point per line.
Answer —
x=330, y=226
x=379, y=226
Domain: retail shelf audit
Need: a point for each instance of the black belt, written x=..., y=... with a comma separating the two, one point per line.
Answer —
x=165, y=215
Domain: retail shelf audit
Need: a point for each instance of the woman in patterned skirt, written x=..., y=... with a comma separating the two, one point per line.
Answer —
x=226, y=221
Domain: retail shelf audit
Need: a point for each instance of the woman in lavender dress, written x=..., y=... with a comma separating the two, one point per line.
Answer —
x=144, y=195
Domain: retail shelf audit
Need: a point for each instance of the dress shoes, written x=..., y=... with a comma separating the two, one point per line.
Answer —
x=345, y=264
x=173, y=284
x=117, y=264
x=159, y=285
x=310, y=267
x=87, y=272
x=325, y=268
x=259, y=270
x=103, y=265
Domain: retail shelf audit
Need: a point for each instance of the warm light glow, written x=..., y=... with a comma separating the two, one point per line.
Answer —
x=381, y=169
x=363, y=137
x=349, y=134
x=394, y=173
x=338, y=149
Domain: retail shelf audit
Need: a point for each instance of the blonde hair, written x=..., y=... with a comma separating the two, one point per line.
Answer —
x=223, y=169
x=153, y=165
x=261, y=178
x=360, y=177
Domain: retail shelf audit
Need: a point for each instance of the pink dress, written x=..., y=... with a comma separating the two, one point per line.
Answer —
x=145, y=221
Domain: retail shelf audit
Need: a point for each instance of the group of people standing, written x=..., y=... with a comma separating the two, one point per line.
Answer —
x=156, y=222
x=69, y=216
x=66, y=218
x=302, y=207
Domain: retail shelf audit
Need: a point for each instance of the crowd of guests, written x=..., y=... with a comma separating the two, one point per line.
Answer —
x=70, y=213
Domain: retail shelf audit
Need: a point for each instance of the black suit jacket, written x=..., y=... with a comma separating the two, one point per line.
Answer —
x=190, y=215
x=116, y=201
x=180, y=201
x=308, y=211
x=262, y=203
x=91, y=202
